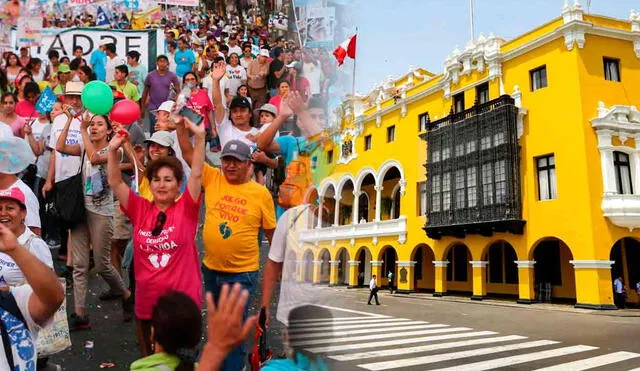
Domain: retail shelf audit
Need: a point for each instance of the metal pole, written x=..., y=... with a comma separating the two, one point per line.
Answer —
x=473, y=37
x=353, y=81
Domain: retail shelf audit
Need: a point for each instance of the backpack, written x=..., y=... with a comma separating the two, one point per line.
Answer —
x=8, y=303
x=298, y=179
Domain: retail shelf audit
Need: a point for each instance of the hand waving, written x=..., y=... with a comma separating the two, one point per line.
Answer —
x=118, y=139
x=218, y=72
x=9, y=242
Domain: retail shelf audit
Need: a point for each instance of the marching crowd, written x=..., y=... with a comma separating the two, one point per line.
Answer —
x=104, y=191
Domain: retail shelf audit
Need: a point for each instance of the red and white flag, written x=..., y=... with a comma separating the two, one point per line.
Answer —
x=346, y=49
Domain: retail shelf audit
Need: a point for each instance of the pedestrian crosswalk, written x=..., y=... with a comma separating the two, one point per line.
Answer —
x=390, y=343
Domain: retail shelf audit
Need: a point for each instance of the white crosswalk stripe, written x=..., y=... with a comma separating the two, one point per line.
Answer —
x=386, y=343
x=349, y=327
x=364, y=331
x=336, y=319
x=585, y=364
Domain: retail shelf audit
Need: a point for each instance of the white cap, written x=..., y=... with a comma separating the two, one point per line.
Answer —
x=166, y=106
x=264, y=53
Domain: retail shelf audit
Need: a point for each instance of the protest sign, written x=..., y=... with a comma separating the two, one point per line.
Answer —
x=29, y=31
x=46, y=101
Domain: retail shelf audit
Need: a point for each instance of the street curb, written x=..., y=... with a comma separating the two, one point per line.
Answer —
x=532, y=306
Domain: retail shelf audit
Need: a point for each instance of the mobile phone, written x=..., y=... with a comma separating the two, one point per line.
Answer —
x=192, y=115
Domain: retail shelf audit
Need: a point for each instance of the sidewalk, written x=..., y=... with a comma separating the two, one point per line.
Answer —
x=508, y=303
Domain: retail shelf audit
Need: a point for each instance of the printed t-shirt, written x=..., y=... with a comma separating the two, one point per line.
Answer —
x=98, y=196
x=159, y=87
x=112, y=63
x=42, y=131
x=236, y=75
x=201, y=103
x=129, y=90
x=22, y=338
x=234, y=215
x=168, y=261
x=137, y=73
x=66, y=166
x=10, y=273
x=184, y=60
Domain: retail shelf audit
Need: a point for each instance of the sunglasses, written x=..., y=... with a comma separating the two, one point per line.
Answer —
x=160, y=220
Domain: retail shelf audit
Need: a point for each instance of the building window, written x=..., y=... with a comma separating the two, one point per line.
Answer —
x=460, y=189
x=471, y=147
x=435, y=193
x=482, y=93
x=435, y=156
x=446, y=153
x=538, y=78
x=611, y=69
x=623, y=173
x=501, y=182
x=367, y=142
x=502, y=266
x=546, y=177
x=498, y=139
x=460, y=150
x=487, y=184
x=391, y=134
x=458, y=102
x=472, y=196
x=330, y=156
x=485, y=142
x=423, y=120
x=446, y=191
x=422, y=198
x=458, y=263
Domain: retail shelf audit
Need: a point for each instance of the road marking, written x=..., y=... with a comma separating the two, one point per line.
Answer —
x=585, y=364
x=378, y=336
x=335, y=319
x=378, y=344
x=387, y=365
x=359, y=332
x=349, y=326
x=425, y=348
x=524, y=358
x=341, y=322
x=351, y=311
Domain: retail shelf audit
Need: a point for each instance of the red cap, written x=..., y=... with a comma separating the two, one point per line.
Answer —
x=15, y=194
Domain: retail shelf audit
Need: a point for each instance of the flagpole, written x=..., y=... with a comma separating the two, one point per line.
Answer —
x=473, y=36
x=353, y=81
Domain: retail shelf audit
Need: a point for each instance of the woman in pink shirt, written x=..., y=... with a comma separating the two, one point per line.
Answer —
x=165, y=256
x=26, y=108
x=199, y=100
x=283, y=91
x=8, y=113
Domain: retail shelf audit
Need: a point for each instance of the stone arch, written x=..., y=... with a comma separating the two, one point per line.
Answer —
x=311, y=195
x=290, y=266
x=345, y=196
x=326, y=185
x=459, y=270
x=324, y=256
x=385, y=167
x=307, y=276
x=625, y=254
x=362, y=175
x=343, y=181
x=342, y=256
x=389, y=256
x=424, y=270
x=364, y=257
x=502, y=271
x=554, y=276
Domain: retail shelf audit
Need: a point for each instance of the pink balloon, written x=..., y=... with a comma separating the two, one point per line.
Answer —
x=125, y=112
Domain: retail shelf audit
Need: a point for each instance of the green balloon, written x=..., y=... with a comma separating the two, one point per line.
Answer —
x=97, y=97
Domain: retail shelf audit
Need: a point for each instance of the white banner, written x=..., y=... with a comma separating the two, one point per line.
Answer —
x=29, y=31
x=65, y=40
x=192, y=3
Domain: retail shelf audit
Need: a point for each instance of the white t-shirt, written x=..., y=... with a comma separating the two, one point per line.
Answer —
x=10, y=273
x=42, y=131
x=112, y=63
x=228, y=131
x=5, y=131
x=279, y=240
x=176, y=148
x=66, y=165
x=33, y=206
x=172, y=62
x=207, y=83
x=22, y=338
x=313, y=73
x=236, y=77
x=235, y=49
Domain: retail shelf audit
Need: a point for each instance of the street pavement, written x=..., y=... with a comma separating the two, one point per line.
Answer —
x=404, y=333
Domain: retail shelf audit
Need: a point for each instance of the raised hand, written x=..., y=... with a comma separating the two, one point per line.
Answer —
x=197, y=130
x=86, y=121
x=218, y=71
x=8, y=240
x=295, y=102
x=118, y=139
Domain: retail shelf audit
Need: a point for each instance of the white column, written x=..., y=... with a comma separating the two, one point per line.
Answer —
x=608, y=171
x=321, y=199
x=592, y=264
x=356, y=205
x=336, y=216
x=378, y=201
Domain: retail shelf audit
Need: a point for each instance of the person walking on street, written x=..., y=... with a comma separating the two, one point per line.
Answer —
x=390, y=278
x=373, y=290
x=618, y=293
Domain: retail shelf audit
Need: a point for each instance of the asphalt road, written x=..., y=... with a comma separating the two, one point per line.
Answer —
x=414, y=334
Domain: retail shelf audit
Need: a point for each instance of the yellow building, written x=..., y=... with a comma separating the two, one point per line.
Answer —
x=514, y=173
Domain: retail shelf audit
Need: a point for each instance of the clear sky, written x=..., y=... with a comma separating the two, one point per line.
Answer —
x=395, y=34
